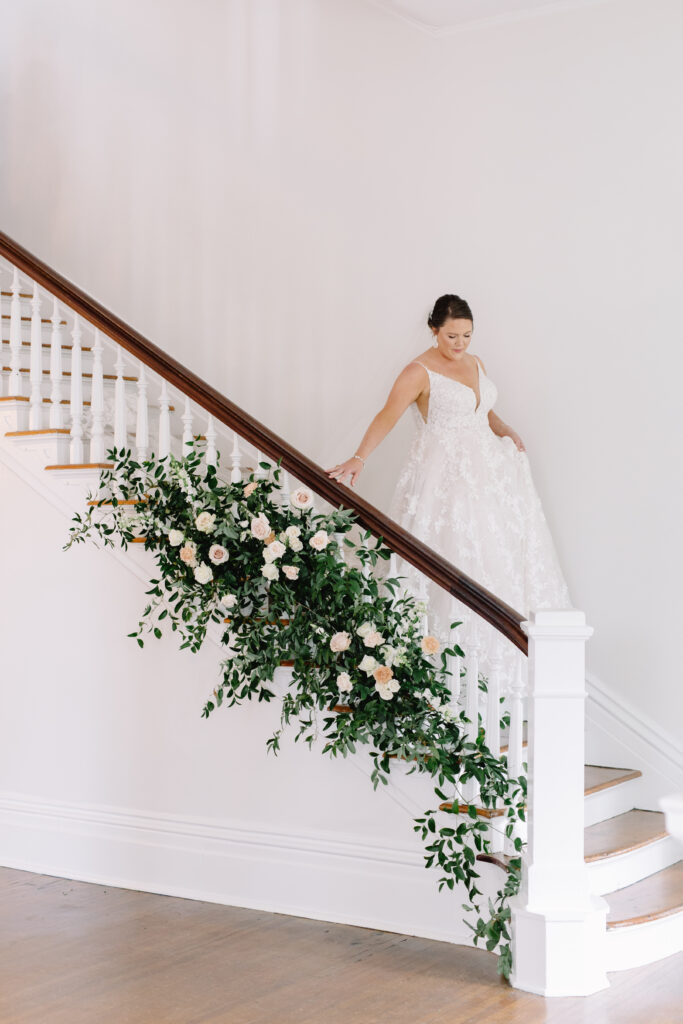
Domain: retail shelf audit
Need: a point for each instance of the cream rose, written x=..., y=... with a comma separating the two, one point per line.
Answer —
x=218, y=554
x=340, y=642
x=292, y=532
x=260, y=527
x=175, y=537
x=430, y=645
x=373, y=639
x=365, y=628
x=270, y=571
x=228, y=601
x=368, y=664
x=344, y=682
x=295, y=544
x=250, y=488
x=188, y=553
x=382, y=674
x=276, y=549
x=205, y=522
x=319, y=540
x=291, y=571
x=384, y=691
x=300, y=497
x=203, y=573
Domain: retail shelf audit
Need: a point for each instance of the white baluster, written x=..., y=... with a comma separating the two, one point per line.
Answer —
x=284, y=489
x=76, y=397
x=188, y=437
x=142, y=428
x=453, y=665
x=36, y=414
x=260, y=473
x=14, y=384
x=164, y=421
x=339, y=537
x=56, y=378
x=472, y=710
x=97, y=403
x=211, y=453
x=120, y=408
x=515, y=754
x=496, y=831
x=236, y=459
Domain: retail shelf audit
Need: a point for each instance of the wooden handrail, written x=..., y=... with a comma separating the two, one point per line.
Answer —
x=504, y=618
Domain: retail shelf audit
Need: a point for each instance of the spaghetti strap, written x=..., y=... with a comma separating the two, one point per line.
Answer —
x=422, y=365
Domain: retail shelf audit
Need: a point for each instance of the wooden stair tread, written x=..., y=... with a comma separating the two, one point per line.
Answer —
x=47, y=344
x=654, y=897
x=83, y=465
x=35, y=433
x=622, y=833
x=27, y=319
x=596, y=777
x=14, y=398
x=67, y=373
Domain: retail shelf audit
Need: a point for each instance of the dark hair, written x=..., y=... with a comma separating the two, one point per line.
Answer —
x=449, y=306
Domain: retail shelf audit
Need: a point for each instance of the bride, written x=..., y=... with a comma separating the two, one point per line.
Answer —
x=465, y=490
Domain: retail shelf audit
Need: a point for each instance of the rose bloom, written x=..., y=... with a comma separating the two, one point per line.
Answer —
x=368, y=664
x=205, y=522
x=295, y=544
x=276, y=548
x=218, y=554
x=319, y=540
x=188, y=553
x=382, y=674
x=228, y=601
x=203, y=573
x=250, y=488
x=260, y=527
x=430, y=645
x=373, y=639
x=270, y=571
x=291, y=571
x=384, y=691
x=175, y=537
x=365, y=628
x=340, y=642
x=292, y=532
x=301, y=498
x=344, y=682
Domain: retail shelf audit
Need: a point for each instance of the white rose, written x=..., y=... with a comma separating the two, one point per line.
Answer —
x=175, y=537
x=205, y=522
x=291, y=571
x=373, y=639
x=340, y=642
x=276, y=549
x=344, y=682
x=319, y=540
x=270, y=571
x=295, y=544
x=228, y=601
x=365, y=628
x=368, y=664
x=218, y=554
x=203, y=573
x=268, y=555
x=385, y=692
x=388, y=654
x=301, y=498
x=292, y=532
x=260, y=527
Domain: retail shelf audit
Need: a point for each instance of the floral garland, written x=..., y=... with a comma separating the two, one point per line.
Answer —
x=282, y=572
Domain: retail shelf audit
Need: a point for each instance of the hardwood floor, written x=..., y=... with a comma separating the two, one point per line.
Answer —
x=78, y=953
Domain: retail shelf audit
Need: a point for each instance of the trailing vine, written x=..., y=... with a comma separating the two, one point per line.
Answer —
x=286, y=583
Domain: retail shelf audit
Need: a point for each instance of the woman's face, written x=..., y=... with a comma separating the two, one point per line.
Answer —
x=453, y=337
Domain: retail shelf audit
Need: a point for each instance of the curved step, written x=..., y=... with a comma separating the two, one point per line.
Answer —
x=626, y=848
x=608, y=792
x=645, y=920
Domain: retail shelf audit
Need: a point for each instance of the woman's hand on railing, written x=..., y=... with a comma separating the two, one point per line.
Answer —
x=352, y=466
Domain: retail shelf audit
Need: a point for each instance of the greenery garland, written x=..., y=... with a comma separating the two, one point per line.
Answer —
x=280, y=573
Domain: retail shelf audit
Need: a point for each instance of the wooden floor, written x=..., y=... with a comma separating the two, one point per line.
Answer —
x=78, y=953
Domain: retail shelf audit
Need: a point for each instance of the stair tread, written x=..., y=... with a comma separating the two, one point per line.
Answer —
x=622, y=833
x=596, y=777
x=657, y=896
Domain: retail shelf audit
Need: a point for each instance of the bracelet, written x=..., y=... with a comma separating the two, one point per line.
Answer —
x=359, y=457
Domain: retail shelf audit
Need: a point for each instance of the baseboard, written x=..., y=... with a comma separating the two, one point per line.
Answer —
x=619, y=734
x=342, y=879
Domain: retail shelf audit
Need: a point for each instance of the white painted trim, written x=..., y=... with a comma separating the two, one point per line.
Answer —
x=615, y=872
x=638, y=944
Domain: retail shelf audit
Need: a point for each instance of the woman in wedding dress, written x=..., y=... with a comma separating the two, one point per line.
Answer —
x=465, y=490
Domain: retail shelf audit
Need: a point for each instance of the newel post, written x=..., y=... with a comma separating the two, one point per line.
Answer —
x=558, y=925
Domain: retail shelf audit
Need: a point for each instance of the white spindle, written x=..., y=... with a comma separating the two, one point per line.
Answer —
x=142, y=428
x=496, y=831
x=260, y=473
x=515, y=754
x=76, y=397
x=56, y=378
x=188, y=437
x=284, y=489
x=341, y=556
x=97, y=403
x=120, y=408
x=211, y=453
x=164, y=421
x=472, y=710
x=14, y=384
x=453, y=666
x=236, y=460
x=36, y=413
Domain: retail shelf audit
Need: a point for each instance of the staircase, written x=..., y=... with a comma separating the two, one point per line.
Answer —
x=77, y=381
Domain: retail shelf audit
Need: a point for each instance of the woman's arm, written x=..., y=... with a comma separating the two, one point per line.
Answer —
x=503, y=430
x=409, y=384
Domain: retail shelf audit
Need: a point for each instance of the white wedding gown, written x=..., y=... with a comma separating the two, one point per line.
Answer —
x=469, y=495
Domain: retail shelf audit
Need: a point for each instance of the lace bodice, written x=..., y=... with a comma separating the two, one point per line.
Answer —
x=453, y=405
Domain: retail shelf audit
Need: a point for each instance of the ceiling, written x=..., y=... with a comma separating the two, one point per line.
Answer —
x=445, y=15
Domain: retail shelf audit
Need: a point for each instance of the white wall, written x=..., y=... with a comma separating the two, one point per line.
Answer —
x=278, y=191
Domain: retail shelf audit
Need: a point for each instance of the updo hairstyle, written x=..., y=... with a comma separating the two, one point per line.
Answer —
x=449, y=307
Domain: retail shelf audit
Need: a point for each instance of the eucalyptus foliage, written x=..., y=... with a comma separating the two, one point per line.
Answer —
x=332, y=590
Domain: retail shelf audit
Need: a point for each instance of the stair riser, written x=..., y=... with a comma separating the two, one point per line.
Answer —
x=626, y=868
x=607, y=803
x=639, y=944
